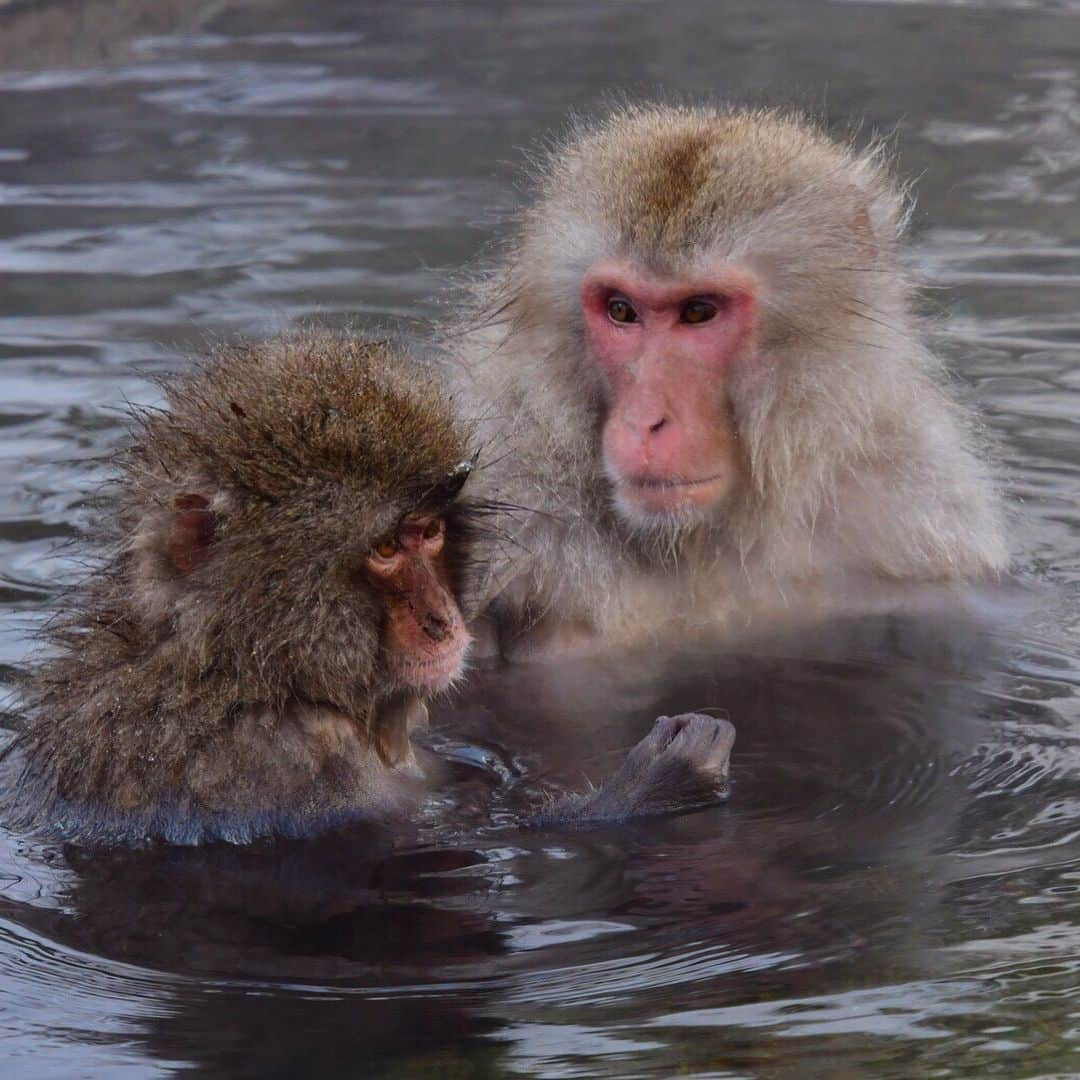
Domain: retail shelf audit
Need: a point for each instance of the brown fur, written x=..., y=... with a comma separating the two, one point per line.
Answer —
x=859, y=472
x=247, y=695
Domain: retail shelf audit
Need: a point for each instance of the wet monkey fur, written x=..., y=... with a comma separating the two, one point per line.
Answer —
x=285, y=559
x=711, y=378
x=288, y=557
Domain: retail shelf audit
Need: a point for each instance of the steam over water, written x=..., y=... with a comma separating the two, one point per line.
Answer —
x=894, y=889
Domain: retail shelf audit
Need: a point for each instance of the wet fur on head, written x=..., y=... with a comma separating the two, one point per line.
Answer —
x=308, y=450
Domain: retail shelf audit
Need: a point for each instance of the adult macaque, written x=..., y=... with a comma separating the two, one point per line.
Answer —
x=708, y=373
x=287, y=555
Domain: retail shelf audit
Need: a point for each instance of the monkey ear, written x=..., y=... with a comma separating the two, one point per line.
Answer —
x=191, y=532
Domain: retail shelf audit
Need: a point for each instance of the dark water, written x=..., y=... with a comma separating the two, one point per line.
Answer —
x=894, y=889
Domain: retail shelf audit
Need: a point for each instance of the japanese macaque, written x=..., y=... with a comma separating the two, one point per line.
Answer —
x=287, y=557
x=705, y=366
x=288, y=554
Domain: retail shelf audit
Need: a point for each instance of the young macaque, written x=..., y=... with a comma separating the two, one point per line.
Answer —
x=282, y=590
x=705, y=363
x=287, y=554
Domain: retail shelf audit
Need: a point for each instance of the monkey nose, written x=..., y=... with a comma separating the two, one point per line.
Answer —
x=653, y=434
x=643, y=428
x=436, y=627
x=658, y=440
x=642, y=443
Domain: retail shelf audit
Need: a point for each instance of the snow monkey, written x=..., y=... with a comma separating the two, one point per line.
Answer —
x=281, y=591
x=287, y=557
x=711, y=379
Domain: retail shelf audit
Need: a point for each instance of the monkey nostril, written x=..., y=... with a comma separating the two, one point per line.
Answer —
x=436, y=628
x=654, y=428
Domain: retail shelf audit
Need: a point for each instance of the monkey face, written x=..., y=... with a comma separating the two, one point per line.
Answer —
x=664, y=348
x=424, y=640
x=296, y=598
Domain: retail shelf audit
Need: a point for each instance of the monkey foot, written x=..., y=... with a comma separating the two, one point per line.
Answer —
x=682, y=764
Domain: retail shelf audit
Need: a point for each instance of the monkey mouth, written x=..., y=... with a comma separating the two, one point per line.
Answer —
x=435, y=672
x=660, y=495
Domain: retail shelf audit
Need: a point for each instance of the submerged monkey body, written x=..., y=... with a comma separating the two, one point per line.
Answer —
x=232, y=671
x=290, y=772
x=711, y=377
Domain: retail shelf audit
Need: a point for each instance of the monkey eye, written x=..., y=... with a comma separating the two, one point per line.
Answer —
x=620, y=310
x=386, y=549
x=434, y=528
x=698, y=311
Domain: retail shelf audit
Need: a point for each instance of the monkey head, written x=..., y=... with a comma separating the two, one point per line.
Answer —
x=296, y=522
x=708, y=267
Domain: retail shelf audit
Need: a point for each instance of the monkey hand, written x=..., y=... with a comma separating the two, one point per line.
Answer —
x=682, y=764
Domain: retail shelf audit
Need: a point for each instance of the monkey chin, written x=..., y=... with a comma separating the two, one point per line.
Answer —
x=435, y=673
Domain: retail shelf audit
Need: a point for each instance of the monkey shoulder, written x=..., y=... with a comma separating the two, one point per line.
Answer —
x=293, y=773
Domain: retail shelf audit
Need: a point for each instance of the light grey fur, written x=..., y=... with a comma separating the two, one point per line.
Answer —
x=861, y=472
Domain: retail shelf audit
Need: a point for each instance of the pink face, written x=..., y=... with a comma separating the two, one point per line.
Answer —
x=426, y=637
x=664, y=347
